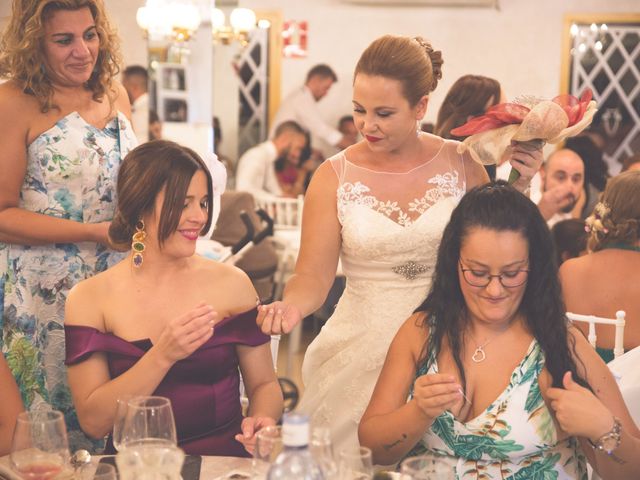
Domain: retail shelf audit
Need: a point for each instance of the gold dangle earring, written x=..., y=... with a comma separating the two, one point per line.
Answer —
x=137, y=244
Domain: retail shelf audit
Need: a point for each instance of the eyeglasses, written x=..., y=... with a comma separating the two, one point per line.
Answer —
x=481, y=278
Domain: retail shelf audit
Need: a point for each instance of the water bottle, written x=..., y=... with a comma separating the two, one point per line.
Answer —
x=295, y=461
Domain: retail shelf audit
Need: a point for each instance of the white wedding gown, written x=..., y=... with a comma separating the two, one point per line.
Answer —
x=391, y=228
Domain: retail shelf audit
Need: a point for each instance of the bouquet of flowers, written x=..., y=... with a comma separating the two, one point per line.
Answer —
x=528, y=119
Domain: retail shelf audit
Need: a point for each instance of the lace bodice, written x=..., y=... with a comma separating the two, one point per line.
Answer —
x=392, y=222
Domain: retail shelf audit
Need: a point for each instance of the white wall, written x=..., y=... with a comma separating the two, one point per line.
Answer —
x=520, y=45
x=122, y=14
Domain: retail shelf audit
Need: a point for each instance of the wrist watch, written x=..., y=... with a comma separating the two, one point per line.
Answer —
x=608, y=442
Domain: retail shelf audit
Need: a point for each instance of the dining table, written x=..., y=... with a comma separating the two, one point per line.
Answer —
x=211, y=468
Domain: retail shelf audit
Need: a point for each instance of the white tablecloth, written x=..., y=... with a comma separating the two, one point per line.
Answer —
x=627, y=372
x=212, y=468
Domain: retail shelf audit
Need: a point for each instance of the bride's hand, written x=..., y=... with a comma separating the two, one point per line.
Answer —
x=278, y=317
x=526, y=158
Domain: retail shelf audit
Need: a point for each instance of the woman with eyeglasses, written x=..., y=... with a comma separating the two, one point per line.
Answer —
x=498, y=383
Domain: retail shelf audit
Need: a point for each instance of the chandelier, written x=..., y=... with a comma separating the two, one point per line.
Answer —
x=242, y=22
x=173, y=19
x=585, y=37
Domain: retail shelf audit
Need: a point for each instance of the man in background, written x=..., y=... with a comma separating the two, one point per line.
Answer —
x=135, y=81
x=562, y=186
x=256, y=172
x=301, y=107
x=347, y=127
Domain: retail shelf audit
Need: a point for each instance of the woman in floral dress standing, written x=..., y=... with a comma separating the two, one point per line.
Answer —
x=65, y=129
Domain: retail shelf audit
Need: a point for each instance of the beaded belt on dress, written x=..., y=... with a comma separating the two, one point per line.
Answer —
x=410, y=270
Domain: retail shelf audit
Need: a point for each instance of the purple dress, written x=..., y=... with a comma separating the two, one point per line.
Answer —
x=203, y=388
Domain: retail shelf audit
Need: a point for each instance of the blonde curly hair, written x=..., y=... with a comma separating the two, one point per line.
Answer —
x=22, y=55
x=616, y=218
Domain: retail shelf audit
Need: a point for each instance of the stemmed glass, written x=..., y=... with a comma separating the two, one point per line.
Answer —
x=104, y=471
x=268, y=446
x=355, y=464
x=122, y=407
x=322, y=451
x=148, y=421
x=425, y=467
x=40, y=448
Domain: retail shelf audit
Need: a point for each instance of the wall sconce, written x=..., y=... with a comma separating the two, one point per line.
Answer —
x=242, y=22
x=174, y=19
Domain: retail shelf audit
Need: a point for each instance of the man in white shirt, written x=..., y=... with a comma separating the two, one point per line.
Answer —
x=562, y=183
x=301, y=107
x=135, y=81
x=256, y=172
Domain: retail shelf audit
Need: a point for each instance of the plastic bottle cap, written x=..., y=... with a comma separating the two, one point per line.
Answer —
x=295, y=430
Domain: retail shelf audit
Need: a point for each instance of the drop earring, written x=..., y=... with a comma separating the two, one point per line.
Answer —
x=137, y=244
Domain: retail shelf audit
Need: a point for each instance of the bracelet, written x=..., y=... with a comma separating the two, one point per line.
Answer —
x=608, y=442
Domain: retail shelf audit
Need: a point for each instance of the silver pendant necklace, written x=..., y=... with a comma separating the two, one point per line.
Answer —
x=479, y=354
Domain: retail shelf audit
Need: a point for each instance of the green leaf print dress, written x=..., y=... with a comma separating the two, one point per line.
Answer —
x=514, y=438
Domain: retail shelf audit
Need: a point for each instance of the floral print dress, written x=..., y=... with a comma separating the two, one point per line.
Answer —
x=71, y=174
x=514, y=438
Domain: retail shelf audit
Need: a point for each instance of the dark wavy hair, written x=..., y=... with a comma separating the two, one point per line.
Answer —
x=144, y=172
x=498, y=206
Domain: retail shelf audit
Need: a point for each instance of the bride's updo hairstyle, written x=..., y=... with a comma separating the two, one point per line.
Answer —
x=411, y=61
x=144, y=172
x=616, y=218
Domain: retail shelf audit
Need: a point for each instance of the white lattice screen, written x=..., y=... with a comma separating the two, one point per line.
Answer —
x=606, y=59
x=252, y=71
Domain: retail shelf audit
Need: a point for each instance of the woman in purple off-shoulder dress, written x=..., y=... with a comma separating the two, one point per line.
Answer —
x=167, y=322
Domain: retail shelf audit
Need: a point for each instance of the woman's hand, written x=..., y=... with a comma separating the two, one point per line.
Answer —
x=184, y=335
x=435, y=393
x=250, y=426
x=578, y=411
x=526, y=158
x=278, y=317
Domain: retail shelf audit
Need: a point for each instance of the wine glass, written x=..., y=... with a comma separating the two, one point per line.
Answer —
x=268, y=446
x=40, y=448
x=426, y=467
x=322, y=451
x=122, y=407
x=355, y=464
x=148, y=421
x=150, y=461
x=104, y=471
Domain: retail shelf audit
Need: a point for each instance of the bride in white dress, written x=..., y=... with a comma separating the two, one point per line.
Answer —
x=380, y=206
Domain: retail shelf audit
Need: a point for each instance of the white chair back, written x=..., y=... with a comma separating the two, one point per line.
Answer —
x=618, y=322
x=285, y=212
x=275, y=343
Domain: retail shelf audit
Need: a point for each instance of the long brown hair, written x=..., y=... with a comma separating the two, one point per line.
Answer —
x=467, y=97
x=144, y=172
x=22, y=56
x=411, y=61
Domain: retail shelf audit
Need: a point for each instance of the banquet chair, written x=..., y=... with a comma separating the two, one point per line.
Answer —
x=285, y=212
x=287, y=221
x=618, y=322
